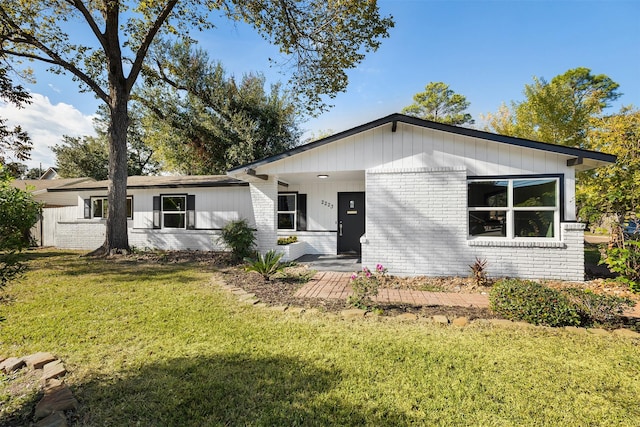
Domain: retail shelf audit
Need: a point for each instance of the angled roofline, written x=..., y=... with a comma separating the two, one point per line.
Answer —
x=402, y=118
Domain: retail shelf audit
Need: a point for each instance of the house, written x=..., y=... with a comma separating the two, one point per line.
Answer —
x=420, y=197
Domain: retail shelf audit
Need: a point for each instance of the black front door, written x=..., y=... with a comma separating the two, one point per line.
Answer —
x=350, y=222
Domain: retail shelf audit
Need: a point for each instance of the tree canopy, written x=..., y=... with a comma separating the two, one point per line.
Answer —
x=559, y=111
x=15, y=144
x=438, y=103
x=321, y=38
x=200, y=121
x=613, y=189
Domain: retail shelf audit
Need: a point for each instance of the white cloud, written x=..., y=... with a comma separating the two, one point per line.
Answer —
x=46, y=124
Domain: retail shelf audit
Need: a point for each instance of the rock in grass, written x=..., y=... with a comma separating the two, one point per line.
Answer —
x=439, y=318
x=460, y=321
x=53, y=369
x=55, y=399
x=56, y=419
x=11, y=364
x=38, y=360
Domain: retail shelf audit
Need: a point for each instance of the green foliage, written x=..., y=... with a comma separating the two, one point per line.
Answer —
x=267, y=265
x=625, y=261
x=559, y=111
x=597, y=308
x=15, y=143
x=287, y=240
x=18, y=213
x=438, y=103
x=613, y=189
x=479, y=273
x=364, y=285
x=532, y=302
x=239, y=237
x=202, y=122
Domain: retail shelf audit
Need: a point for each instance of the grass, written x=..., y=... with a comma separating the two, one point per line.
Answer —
x=151, y=345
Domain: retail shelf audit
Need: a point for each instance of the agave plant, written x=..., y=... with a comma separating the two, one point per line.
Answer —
x=267, y=265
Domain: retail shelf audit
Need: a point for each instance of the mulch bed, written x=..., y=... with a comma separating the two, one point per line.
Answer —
x=279, y=290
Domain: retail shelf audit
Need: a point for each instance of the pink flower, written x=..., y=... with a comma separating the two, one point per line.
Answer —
x=379, y=267
x=354, y=276
x=368, y=274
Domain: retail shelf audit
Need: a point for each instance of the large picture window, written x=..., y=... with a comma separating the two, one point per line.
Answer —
x=100, y=207
x=174, y=211
x=287, y=211
x=514, y=207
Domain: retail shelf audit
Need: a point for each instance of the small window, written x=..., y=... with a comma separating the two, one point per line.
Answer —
x=287, y=211
x=100, y=207
x=514, y=208
x=174, y=211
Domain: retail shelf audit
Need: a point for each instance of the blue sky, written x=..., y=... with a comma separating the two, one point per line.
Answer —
x=485, y=50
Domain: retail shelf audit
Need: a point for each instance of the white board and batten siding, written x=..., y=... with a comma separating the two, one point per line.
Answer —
x=214, y=208
x=412, y=147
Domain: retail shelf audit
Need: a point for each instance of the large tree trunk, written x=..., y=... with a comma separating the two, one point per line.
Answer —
x=117, y=239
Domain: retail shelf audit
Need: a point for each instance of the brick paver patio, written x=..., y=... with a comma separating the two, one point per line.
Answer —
x=334, y=285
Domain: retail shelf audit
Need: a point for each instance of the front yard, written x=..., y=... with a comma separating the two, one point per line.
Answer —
x=153, y=344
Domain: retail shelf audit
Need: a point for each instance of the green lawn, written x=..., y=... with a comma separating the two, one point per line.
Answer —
x=161, y=345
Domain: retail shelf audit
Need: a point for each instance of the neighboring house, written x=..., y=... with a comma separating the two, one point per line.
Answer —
x=50, y=173
x=420, y=197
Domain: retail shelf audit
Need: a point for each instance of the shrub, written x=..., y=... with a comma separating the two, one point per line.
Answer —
x=365, y=285
x=625, y=261
x=597, y=308
x=287, y=240
x=532, y=302
x=239, y=237
x=266, y=265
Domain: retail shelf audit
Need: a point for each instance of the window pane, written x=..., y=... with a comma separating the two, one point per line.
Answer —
x=173, y=220
x=286, y=221
x=533, y=224
x=97, y=208
x=287, y=202
x=488, y=194
x=534, y=192
x=487, y=223
x=129, y=207
x=174, y=204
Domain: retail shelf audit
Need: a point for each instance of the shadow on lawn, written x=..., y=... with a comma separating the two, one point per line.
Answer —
x=232, y=389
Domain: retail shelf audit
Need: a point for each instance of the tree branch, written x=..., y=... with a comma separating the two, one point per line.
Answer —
x=89, y=18
x=136, y=67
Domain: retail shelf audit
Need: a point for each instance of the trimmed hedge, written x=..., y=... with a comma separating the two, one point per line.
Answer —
x=532, y=302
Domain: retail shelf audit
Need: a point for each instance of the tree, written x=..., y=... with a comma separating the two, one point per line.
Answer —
x=438, y=103
x=88, y=156
x=614, y=189
x=18, y=213
x=559, y=111
x=202, y=122
x=323, y=39
x=15, y=144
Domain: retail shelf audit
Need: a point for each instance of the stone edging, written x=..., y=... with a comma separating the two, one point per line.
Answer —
x=50, y=410
x=251, y=299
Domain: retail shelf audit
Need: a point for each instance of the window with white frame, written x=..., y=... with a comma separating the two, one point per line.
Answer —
x=174, y=211
x=100, y=207
x=514, y=207
x=287, y=211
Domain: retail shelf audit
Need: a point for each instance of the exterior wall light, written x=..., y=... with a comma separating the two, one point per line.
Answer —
x=323, y=176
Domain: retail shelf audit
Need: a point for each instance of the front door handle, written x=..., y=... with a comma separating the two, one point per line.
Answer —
x=340, y=228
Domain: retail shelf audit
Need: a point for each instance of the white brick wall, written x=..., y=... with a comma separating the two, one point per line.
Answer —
x=417, y=225
x=264, y=196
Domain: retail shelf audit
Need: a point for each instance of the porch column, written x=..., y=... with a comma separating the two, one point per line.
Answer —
x=264, y=197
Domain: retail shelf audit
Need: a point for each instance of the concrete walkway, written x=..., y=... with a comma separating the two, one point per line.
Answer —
x=335, y=285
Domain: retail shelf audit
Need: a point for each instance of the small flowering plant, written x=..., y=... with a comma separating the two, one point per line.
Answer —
x=365, y=285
